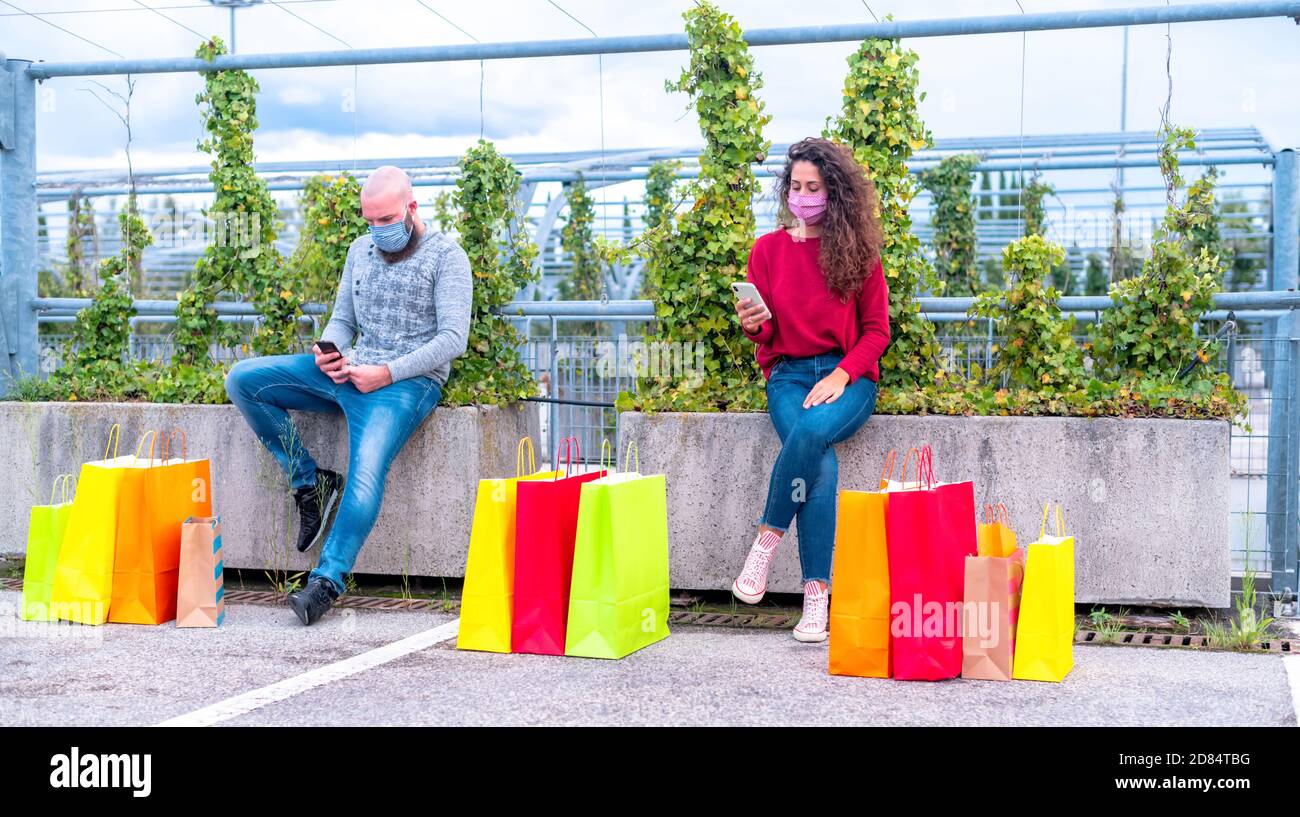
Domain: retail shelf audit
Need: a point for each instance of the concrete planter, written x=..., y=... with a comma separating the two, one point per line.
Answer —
x=1147, y=500
x=423, y=526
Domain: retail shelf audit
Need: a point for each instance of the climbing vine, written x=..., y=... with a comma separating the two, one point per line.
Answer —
x=331, y=221
x=880, y=124
x=1037, y=349
x=1151, y=330
x=576, y=239
x=692, y=257
x=96, y=360
x=950, y=184
x=659, y=201
x=1035, y=211
x=493, y=234
x=242, y=258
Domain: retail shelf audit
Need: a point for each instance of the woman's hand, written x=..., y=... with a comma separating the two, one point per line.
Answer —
x=751, y=317
x=828, y=389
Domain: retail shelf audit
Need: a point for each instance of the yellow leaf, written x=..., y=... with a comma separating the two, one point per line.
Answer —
x=286, y=294
x=1187, y=295
x=891, y=61
x=741, y=92
x=916, y=144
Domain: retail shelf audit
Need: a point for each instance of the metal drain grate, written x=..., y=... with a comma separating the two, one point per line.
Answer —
x=1173, y=640
x=760, y=621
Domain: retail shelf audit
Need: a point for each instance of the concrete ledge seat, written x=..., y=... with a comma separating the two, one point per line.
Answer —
x=1147, y=500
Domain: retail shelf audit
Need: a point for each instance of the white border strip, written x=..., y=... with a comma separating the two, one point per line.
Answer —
x=280, y=690
x=1292, y=663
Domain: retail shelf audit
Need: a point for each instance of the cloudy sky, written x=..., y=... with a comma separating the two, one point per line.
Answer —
x=1225, y=74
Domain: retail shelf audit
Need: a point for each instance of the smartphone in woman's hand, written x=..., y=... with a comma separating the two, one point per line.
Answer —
x=756, y=312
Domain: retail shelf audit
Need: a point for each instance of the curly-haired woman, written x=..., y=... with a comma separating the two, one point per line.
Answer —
x=819, y=274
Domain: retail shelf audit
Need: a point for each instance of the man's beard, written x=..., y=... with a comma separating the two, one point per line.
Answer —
x=412, y=244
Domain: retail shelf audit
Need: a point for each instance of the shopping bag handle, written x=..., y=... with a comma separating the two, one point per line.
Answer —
x=525, y=444
x=152, y=436
x=993, y=512
x=570, y=445
x=1006, y=517
x=606, y=453
x=631, y=454
x=887, y=473
x=989, y=515
x=1060, y=520
x=61, y=478
x=114, y=437
x=167, y=438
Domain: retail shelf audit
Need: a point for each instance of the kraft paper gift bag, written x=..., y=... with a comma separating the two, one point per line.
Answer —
x=930, y=530
x=859, y=614
x=546, y=523
x=44, y=537
x=618, y=598
x=992, y=590
x=83, y=576
x=996, y=538
x=1045, y=636
x=158, y=493
x=488, y=598
x=201, y=588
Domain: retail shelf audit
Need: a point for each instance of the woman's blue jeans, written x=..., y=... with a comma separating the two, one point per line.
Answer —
x=379, y=424
x=805, y=477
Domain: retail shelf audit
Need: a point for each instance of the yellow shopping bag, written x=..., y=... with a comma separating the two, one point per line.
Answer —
x=1045, y=633
x=488, y=596
x=83, y=577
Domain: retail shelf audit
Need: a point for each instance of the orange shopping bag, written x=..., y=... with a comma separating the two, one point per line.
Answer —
x=158, y=494
x=994, y=534
x=859, y=615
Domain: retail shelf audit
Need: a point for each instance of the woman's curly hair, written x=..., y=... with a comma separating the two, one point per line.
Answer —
x=851, y=236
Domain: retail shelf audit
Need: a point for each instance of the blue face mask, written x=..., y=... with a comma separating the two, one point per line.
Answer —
x=391, y=237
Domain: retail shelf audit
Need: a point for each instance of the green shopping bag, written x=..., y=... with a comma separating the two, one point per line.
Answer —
x=44, y=536
x=618, y=600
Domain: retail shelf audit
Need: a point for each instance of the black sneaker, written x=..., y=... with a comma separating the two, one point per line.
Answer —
x=316, y=505
x=314, y=600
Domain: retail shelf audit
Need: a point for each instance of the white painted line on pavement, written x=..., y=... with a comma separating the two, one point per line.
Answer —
x=1292, y=663
x=280, y=690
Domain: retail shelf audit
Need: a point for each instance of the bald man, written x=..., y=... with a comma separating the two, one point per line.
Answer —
x=400, y=317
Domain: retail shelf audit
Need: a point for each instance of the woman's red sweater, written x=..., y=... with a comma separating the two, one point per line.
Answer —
x=807, y=317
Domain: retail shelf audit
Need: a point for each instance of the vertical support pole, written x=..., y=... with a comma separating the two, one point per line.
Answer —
x=1285, y=266
x=18, y=222
x=1283, y=450
x=554, y=393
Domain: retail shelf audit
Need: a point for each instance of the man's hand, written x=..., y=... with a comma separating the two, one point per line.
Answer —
x=332, y=364
x=368, y=378
x=828, y=389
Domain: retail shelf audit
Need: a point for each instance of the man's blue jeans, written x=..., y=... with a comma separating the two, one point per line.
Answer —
x=805, y=477
x=379, y=424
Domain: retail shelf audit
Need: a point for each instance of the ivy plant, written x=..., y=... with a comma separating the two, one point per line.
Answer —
x=493, y=233
x=331, y=220
x=880, y=124
x=583, y=282
x=692, y=257
x=1038, y=349
x=953, y=217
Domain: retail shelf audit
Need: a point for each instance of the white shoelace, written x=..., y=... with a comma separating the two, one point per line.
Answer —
x=753, y=577
x=815, y=609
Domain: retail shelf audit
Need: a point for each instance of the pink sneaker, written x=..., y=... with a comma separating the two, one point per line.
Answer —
x=816, y=601
x=752, y=584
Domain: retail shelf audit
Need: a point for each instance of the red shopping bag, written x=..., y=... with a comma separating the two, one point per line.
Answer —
x=930, y=530
x=546, y=523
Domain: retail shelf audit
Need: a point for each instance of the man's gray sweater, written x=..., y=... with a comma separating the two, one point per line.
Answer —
x=412, y=315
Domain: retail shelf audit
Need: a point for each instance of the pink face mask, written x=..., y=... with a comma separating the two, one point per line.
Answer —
x=808, y=209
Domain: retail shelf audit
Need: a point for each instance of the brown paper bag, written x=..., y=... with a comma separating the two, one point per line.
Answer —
x=200, y=596
x=992, y=607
